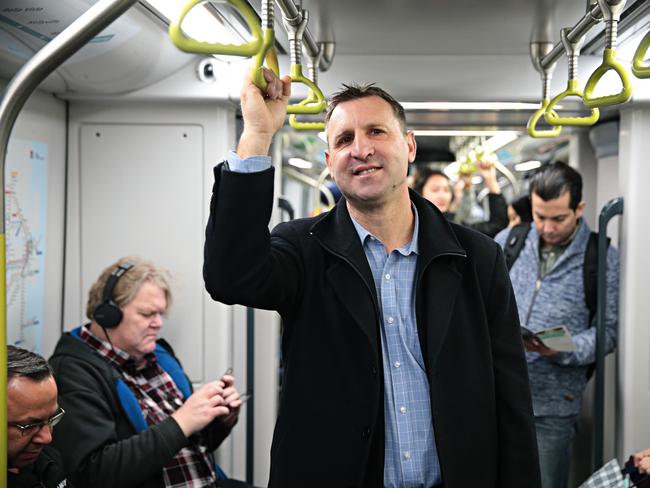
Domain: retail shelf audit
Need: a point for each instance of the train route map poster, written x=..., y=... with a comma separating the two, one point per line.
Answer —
x=25, y=230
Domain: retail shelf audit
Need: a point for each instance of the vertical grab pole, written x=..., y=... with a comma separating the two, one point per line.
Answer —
x=612, y=208
x=250, y=386
x=23, y=84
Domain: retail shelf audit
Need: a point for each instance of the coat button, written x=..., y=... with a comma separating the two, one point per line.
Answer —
x=366, y=433
x=374, y=371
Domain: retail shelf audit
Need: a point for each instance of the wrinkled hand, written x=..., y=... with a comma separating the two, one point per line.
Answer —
x=263, y=112
x=535, y=345
x=201, y=408
x=642, y=461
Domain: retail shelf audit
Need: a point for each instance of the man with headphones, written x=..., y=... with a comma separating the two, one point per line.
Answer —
x=132, y=418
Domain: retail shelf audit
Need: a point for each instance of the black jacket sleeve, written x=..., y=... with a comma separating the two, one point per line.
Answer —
x=243, y=262
x=498, y=216
x=94, y=434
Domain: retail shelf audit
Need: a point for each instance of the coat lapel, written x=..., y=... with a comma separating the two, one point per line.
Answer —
x=438, y=278
x=350, y=275
x=438, y=275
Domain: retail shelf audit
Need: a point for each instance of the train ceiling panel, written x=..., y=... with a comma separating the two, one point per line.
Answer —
x=131, y=53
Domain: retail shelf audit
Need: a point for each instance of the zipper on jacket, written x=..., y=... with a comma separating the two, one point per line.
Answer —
x=356, y=270
x=538, y=285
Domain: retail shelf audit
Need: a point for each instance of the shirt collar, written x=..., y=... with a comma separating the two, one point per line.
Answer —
x=411, y=247
x=113, y=353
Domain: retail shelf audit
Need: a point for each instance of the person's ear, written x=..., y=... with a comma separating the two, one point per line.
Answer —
x=412, y=145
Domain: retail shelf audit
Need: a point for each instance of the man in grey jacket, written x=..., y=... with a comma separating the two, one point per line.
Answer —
x=547, y=278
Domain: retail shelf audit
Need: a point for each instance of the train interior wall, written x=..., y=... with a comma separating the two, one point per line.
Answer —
x=134, y=176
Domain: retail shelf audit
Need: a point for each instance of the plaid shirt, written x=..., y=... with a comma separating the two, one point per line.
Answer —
x=158, y=398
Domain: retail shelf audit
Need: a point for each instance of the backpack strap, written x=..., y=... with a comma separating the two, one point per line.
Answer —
x=515, y=243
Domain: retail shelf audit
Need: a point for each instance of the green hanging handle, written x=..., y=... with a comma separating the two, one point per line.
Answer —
x=312, y=69
x=640, y=69
x=266, y=54
x=468, y=167
x=612, y=14
x=572, y=52
x=267, y=50
x=299, y=125
x=609, y=63
x=553, y=118
x=190, y=45
x=311, y=106
x=538, y=51
x=531, y=127
x=295, y=30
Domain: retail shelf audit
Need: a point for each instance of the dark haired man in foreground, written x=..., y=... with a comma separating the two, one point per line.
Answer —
x=404, y=365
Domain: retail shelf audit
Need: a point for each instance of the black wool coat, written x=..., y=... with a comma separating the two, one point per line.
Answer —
x=330, y=426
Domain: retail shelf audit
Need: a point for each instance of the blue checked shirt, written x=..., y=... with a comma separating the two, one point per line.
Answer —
x=410, y=454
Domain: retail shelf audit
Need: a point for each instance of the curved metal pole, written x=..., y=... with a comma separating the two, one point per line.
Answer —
x=321, y=184
x=291, y=12
x=593, y=16
x=612, y=208
x=43, y=63
x=309, y=181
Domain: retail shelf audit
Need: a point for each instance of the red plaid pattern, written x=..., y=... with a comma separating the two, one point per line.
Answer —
x=159, y=397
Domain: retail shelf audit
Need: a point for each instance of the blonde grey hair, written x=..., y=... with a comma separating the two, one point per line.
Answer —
x=129, y=284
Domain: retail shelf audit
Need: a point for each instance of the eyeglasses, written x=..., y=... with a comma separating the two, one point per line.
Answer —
x=27, y=430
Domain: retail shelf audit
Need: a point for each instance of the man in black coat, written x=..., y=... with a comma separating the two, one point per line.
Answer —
x=404, y=364
x=32, y=413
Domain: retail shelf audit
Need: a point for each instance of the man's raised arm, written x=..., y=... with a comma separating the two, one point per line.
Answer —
x=241, y=263
x=263, y=113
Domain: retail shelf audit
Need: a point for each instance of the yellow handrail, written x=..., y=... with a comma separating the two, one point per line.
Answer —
x=190, y=45
x=612, y=14
x=572, y=49
x=266, y=53
x=295, y=30
x=299, y=125
x=640, y=69
x=553, y=118
x=306, y=106
x=312, y=70
x=531, y=126
x=609, y=63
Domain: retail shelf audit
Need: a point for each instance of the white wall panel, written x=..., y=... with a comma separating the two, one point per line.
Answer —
x=140, y=195
x=634, y=337
x=154, y=186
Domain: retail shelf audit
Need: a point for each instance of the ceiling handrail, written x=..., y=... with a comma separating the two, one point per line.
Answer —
x=592, y=17
x=290, y=11
x=612, y=14
x=572, y=52
x=267, y=50
x=640, y=69
x=189, y=45
x=312, y=70
x=295, y=29
x=538, y=50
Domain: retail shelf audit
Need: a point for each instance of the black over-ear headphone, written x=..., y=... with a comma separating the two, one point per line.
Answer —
x=108, y=314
